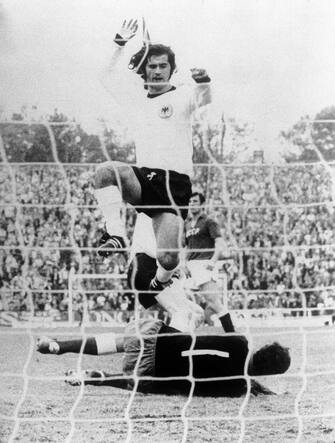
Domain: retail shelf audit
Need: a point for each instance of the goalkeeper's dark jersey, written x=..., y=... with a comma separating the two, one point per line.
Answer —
x=169, y=362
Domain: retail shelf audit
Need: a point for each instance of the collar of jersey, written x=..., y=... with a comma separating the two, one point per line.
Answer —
x=161, y=93
x=200, y=217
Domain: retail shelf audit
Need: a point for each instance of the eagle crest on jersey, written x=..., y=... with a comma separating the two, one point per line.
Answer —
x=165, y=111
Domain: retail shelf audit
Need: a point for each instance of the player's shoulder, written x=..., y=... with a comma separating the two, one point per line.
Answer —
x=206, y=218
x=210, y=219
x=184, y=90
x=238, y=342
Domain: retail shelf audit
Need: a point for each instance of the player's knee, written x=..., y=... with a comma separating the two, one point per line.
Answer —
x=126, y=174
x=104, y=175
x=108, y=173
x=168, y=260
x=211, y=297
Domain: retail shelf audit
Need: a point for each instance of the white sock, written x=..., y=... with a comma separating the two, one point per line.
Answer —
x=106, y=343
x=163, y=275
x=110, y=203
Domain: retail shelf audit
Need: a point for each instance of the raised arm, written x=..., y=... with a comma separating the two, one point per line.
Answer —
x=203, y=94
x=119, y=81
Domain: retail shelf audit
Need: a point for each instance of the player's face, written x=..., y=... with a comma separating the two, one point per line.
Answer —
x=158, y=72
x=195, y=205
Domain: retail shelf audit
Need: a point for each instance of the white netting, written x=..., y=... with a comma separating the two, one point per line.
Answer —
x=278, y=219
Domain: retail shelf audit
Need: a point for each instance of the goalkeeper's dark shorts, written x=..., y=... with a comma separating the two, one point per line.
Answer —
x=141, y=271
x=163, y=191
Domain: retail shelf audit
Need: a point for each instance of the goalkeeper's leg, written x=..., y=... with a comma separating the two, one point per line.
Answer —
x=101, y=344
x=214, y=305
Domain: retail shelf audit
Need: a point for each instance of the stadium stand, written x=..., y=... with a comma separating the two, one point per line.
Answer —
x=278, y=219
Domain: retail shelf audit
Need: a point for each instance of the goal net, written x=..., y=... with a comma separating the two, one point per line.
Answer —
x=278, y=220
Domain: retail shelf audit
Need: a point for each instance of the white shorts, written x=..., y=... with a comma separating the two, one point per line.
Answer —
x=199, y=274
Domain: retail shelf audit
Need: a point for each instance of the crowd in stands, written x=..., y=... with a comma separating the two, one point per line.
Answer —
x=279, y=222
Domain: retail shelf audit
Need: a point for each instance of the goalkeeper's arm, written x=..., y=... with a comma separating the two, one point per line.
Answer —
x=227, y=323
x=102, y=378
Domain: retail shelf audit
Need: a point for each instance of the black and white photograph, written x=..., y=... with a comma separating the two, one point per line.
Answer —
x=167, y=221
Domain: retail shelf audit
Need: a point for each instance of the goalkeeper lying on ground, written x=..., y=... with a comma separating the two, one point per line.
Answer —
x=167, y=356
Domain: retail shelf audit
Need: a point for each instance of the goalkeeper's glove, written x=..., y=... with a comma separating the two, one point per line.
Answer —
x=200, y=75
x=128, y=30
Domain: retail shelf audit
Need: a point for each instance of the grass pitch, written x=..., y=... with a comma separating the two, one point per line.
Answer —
x=37, y=406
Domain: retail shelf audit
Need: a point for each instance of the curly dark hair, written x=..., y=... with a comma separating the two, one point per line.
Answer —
x=201, y=196
x=270, y=359
x=156, y=49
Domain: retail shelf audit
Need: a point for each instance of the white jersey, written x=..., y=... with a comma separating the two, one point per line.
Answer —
x=144, y=240
x=161, y=125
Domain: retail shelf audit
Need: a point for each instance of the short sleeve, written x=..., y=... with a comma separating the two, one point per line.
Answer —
x=213, y=229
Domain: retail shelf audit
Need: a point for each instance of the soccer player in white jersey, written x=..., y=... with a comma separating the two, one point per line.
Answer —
x=160, y=115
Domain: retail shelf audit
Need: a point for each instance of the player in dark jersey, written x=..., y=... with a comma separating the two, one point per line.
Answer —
x=204, y=247
x=164, y=360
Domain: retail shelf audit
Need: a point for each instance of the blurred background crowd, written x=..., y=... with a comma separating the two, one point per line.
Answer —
x=278, y=220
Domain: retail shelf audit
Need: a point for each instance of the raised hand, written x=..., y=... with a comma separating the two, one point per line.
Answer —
x=200, y=75
x=128, y=30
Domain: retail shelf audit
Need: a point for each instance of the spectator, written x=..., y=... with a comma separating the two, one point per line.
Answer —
x=50, y=225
